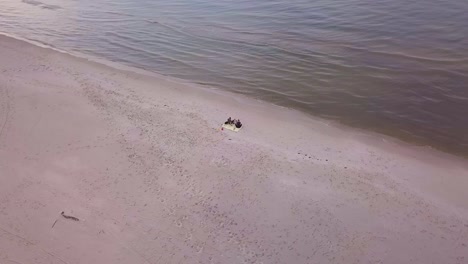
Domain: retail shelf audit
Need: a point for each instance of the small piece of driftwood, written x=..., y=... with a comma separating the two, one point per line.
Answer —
x=69, y=217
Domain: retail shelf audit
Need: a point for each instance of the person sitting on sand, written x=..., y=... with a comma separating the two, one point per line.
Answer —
x=228, y=122
x=238, y=123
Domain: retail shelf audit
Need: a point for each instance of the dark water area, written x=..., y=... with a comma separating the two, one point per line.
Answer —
x=391, y=66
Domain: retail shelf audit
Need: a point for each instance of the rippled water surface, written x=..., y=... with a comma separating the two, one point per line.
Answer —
x=395, y=66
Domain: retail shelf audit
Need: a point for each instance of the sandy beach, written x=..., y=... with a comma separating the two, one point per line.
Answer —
x=141, y=161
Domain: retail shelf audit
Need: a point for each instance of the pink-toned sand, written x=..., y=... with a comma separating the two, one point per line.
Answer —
x=142, y=162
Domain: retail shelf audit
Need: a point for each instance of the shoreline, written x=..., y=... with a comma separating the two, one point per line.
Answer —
x=375, y=135
x=390, y=136
x=141, y=161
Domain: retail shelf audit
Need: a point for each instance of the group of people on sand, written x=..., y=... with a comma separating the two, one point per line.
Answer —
x=235, y=122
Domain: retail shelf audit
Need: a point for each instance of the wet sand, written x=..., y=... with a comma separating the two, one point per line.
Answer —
x=141, y=162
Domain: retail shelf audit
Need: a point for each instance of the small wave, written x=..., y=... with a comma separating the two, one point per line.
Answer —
x=106, y=20
x=110, y=12
x=41, y=4
x=403, y=55
x=196, y=33
x=32, y=41
x=151, y=21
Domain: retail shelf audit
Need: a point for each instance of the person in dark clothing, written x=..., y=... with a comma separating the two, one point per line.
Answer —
x=238, y=123
x=229, y=121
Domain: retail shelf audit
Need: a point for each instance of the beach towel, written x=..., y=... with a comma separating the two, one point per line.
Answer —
x=231, y=127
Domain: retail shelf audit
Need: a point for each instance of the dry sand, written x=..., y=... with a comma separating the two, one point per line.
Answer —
x=141, y=161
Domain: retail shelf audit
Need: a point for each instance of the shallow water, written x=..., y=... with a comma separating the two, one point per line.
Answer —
x=393, y=66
